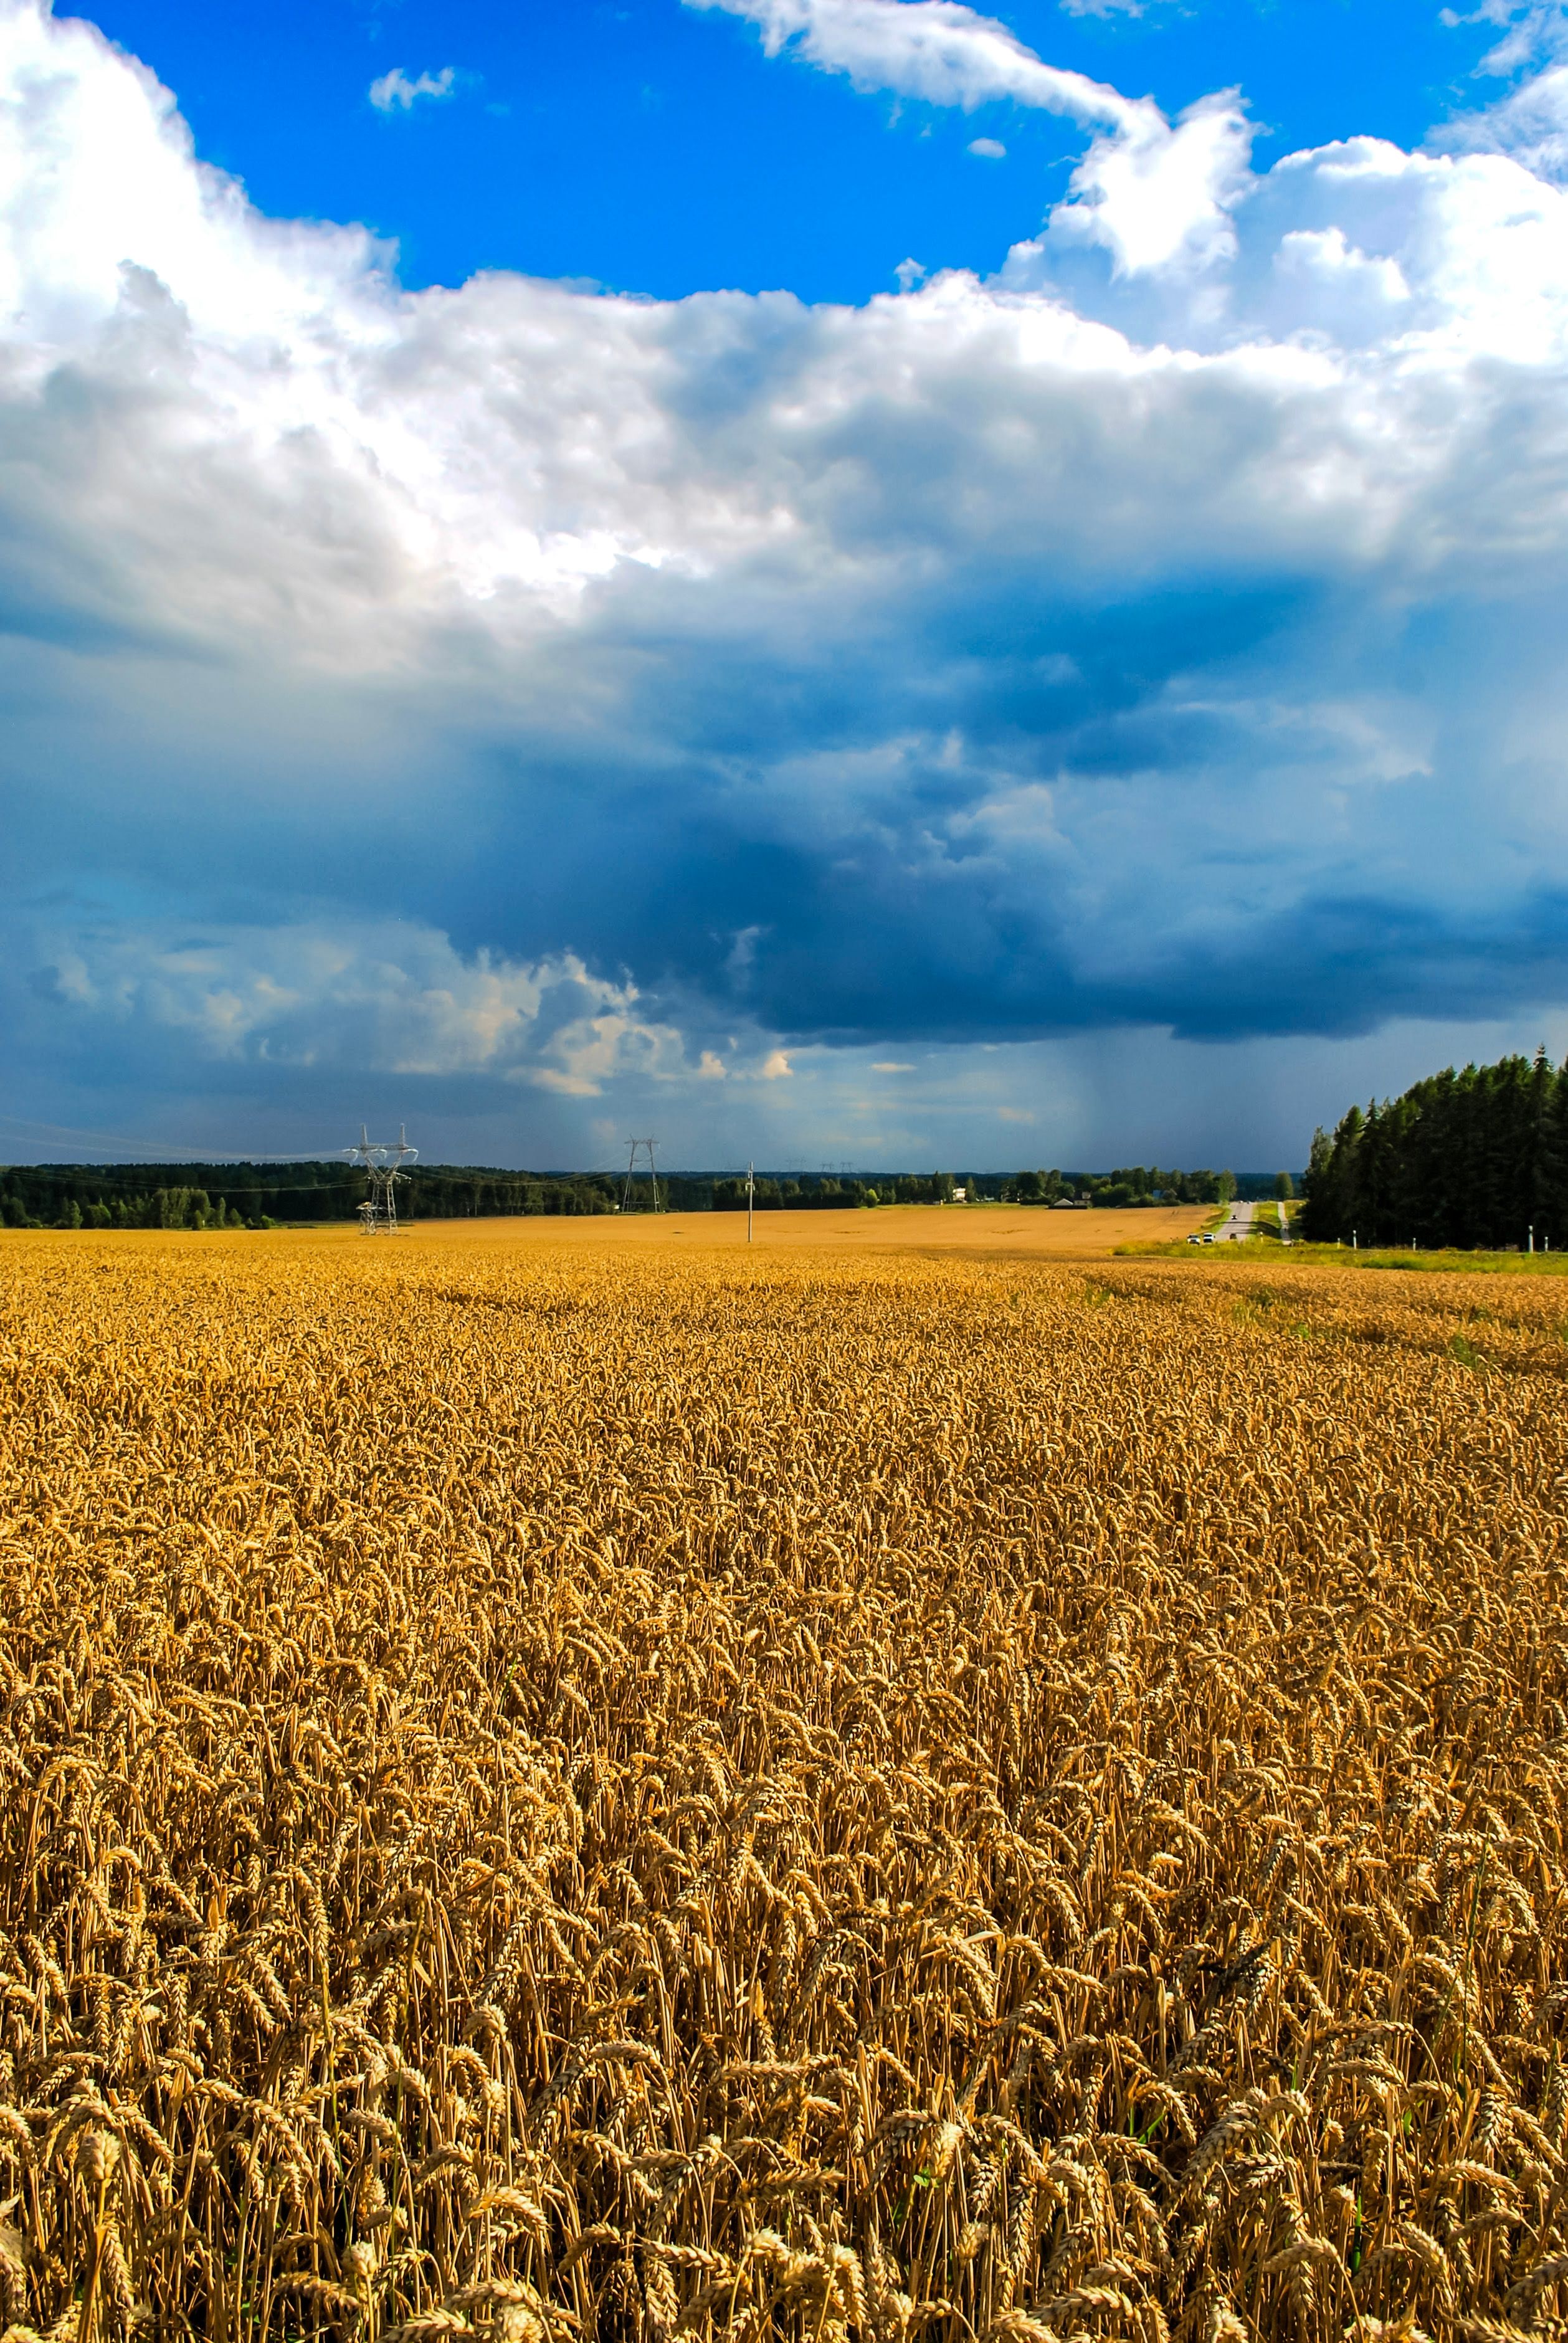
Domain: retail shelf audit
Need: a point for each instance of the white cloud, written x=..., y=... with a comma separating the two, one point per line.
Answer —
x=394, y=92
x=1158, y=195
x=391, y=996
x=1152, y=193
x=934, y=49
x=1531, y=124
x=891, y=1066
x=1530, y=121
x=497, y=578
x=333, y=466
x=1533, y=30
x=991, y=150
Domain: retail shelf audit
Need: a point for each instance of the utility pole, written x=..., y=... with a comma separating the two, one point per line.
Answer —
x=1531, y=1246
x=634, y=1144
x=751, y=1197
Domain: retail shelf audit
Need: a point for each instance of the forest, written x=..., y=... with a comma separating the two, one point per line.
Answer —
x=1475, y=1158
x=270, y=1195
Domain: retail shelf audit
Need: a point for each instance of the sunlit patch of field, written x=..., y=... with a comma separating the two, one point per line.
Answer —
x=980, y=1229
x=578, y=1780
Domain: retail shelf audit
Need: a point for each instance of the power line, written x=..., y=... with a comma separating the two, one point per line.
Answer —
x=168, y=1151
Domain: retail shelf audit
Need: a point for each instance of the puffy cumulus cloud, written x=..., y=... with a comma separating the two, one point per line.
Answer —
x=390, y=996
x=1165, y=632
x=1157, y=194
x=331, y=998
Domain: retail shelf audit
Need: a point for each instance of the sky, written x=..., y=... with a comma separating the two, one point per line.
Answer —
x=843, y=581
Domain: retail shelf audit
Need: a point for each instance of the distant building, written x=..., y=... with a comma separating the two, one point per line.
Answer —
x=961, y=1195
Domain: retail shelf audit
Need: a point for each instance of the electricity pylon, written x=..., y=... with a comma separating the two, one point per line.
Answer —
x=382, y=1164
x=631, y=1167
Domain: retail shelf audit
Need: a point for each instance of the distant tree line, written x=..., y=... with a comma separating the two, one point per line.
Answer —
x=45, y=1204
x=272, y=1195
x=1474, y=1159
x=269, y=1195
x=1136, y=1184
x=825, y=1191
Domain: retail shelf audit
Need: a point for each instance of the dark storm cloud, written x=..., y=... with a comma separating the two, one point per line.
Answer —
x=516, y=686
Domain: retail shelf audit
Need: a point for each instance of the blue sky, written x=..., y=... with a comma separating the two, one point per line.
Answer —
x=842, y=580
x=655, y=150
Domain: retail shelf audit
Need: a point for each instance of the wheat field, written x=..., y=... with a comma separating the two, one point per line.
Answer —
x=560, y=1790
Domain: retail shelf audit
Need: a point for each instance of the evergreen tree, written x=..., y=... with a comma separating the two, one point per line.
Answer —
x=1543, y=1100
x=1475, y=1158
x=1317, y=1218
x=1552, y=1167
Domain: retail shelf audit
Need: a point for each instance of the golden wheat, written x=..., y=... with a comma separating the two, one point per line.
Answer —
x=551, y=1796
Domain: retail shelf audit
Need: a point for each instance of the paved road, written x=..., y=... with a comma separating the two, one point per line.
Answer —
x=1239, y=1225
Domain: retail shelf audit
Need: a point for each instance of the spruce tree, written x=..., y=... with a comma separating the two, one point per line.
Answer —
x=1472, y=1158
x=1552, y=1166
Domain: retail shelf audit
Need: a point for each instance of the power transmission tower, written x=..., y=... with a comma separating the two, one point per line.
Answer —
x=382, y=1164
x=751, y=1197
x=630, y=1171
